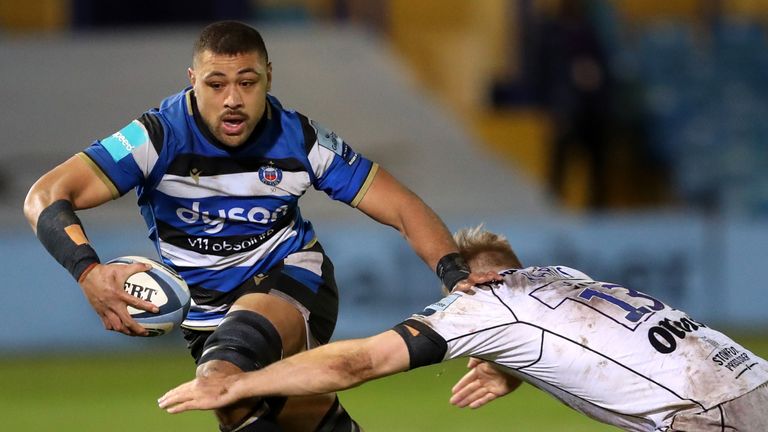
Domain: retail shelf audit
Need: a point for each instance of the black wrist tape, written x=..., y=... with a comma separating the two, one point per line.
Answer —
x=452, y=269
x=60, y=231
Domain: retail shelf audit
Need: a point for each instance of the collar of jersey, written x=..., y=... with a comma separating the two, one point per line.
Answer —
x=257, y=131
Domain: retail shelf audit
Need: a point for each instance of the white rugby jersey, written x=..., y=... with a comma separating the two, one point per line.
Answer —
x=615, y=354
x=220, y=215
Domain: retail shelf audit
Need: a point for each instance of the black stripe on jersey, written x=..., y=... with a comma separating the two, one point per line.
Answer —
x=154, y=129
x=541, y=353
x=310, y=135
x=722, y=417
x=494, y=287
x=209, y=166
x=749, y=367
x=220, y=245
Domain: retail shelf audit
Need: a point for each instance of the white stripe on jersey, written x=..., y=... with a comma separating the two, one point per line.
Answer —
x=311, y=261
x=320, y=158
x=144, y=154
x=240, y=184
x=202, y=325
x=186, y=258
x=205, y=308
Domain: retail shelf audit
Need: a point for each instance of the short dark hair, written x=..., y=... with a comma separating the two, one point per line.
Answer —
x=230, y=38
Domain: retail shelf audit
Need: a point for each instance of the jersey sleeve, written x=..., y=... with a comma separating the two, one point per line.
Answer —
x=126, y=158
x=339, y=171
x=471, y=325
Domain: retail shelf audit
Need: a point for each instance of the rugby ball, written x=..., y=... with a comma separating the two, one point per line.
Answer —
x=162, y=286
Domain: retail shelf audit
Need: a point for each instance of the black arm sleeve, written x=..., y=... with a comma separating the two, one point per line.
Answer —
x=425, y=346
x=60, y=231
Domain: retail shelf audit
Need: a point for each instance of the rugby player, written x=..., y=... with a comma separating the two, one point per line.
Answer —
x=218, y=169
x=615, y=354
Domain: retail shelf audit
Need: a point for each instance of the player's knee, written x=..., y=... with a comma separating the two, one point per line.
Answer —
x=244, y=339
x=337, y=419
x=258, y=419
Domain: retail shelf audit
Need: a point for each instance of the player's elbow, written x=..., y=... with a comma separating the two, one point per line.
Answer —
x=34, y=203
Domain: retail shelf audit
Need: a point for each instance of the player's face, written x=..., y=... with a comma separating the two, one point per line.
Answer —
x=231, y=92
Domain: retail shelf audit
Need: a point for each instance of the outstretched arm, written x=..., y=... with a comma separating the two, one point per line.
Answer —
x=336, y=366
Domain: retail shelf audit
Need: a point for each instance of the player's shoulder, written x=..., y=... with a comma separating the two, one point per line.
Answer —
x=537, y=276
x=171, y=118
x=315, y=132
x=180, y=99
x=175, y=108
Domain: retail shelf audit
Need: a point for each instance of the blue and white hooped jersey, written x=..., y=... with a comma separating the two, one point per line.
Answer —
x=616, y=354
x=221, y=215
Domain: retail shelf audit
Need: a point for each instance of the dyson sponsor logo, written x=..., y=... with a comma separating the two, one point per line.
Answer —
x=216, y=219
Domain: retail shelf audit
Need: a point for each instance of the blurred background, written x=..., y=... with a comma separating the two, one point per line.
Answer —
x=626, y=138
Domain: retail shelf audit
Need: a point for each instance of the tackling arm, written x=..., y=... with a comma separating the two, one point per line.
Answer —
x=336, y=366
x=389, y=202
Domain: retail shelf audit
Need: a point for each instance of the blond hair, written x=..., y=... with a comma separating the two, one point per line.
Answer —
x=484, y=250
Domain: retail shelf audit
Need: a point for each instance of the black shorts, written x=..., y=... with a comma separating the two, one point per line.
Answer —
x=294, y=279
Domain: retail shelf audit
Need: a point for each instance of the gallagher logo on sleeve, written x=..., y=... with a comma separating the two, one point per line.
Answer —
x=441, y=305
x=328, y=139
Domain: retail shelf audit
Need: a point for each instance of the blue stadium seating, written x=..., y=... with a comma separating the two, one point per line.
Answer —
x=707, y=101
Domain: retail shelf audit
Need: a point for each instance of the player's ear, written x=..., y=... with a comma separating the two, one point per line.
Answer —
x=191, y=75
x=269, y=76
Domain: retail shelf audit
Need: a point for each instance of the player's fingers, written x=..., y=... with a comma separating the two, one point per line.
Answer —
x=493, y=276
x=483, y=278
x=134, y=329
x=462, y=398
x=129, y=325
x=171, y=398
x=113, y=321
x=179, y=399
x=468, y=378
x=139, y=303
x=463, y=286
x=105, y=322
x=473, y=362
x=463, y=395
x=174, y=409
x=478, y=393
x=134, y=268
x=181, y=407
x=482, y=400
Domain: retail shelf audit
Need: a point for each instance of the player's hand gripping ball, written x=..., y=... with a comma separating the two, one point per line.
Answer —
x=163, y=287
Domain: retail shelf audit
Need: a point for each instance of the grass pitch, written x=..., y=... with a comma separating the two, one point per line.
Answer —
x=99, y=392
